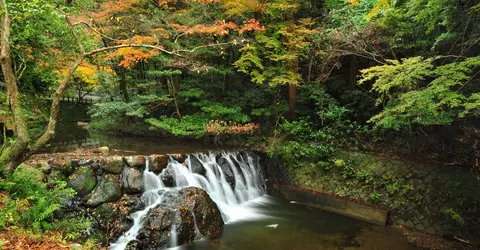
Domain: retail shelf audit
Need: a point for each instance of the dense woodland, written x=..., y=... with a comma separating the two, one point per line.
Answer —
x=300, y=78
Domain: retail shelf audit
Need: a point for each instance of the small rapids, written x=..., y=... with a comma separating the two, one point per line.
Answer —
x=205, y=171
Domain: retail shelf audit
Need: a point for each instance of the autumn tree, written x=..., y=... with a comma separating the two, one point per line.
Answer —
x=114, y=31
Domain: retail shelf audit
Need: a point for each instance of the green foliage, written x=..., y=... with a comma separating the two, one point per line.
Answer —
x=454, y=215
x=190, y=125
x=217, y=111
x=423, y=23
x=418, y=92
x=32, y=203
x=274, y=56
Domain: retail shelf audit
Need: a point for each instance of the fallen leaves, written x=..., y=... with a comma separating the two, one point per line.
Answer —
x=17, y=241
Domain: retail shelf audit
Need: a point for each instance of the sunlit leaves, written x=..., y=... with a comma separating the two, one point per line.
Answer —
x=242, y=7
x=400, y=76
x=251, y=25
x=218, y=28
x=415, y=91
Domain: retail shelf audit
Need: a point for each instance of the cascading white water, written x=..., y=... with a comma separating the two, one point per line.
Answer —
x=231, y=202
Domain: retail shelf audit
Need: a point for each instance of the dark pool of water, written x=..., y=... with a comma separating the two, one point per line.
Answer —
x=302, y=228
x=69, y=137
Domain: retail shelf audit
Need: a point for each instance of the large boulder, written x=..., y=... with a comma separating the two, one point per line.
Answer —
x=132, y=180
x=108, y=189
x=112, y=164
x=34, y=172
x=181, y=213
x=157, y=229
x=207, y=215
x=112, y=219
x=82, y=180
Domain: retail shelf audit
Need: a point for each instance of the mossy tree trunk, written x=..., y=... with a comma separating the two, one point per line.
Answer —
x=11, y=157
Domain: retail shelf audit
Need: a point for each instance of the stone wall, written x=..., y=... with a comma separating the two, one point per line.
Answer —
x=108, y=187
x=437, y=199
x=109, y=190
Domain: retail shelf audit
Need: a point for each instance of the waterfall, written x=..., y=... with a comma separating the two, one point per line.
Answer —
x=212, y=176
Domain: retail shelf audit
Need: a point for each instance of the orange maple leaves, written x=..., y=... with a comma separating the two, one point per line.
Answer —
x=219, y=28
x=129, y=56
x=251, y=25
x=114, y=6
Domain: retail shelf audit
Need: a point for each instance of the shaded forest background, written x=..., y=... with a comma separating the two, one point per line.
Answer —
x=305, y=80
x=382, y=76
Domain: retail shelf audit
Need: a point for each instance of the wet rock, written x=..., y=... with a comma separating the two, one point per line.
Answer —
x=104, y=150
x=206, y=213
x=132, y=203
x=112, y=164
x=95, y=165
x=132, y=180
x=180, y=211
x=106, y=213
x=158, y=163
x=133, y=245
x=108, y=189
x=167, y=177
x=82, y=180
x=196, y=165
x=67, y=167
x=86, y=162
x=156, y=231
x=227, y=170
x=178, y=157
x=111, y=220
x=136, y=161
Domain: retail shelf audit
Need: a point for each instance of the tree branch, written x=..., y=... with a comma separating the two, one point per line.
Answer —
x=105, y=49
x=95, y=30
x=52, y=122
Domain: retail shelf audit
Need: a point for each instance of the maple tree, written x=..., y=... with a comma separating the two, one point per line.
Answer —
x=108, y=30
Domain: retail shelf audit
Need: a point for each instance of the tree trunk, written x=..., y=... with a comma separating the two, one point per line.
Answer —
x=292, y=99
x=54, y=110
x=123, y=85
x=11, y=157
x=18, y=152
x=353, y=71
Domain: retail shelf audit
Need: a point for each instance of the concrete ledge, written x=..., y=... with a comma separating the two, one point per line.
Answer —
x=339, y=206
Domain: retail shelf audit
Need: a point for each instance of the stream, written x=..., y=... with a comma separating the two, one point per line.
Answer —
x=253, y=219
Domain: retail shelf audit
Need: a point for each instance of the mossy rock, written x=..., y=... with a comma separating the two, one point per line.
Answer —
x=32, y=171
x=108, y=189
x=112, y=164
x=82, y=180
x=105, y=213
x=57, y=176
